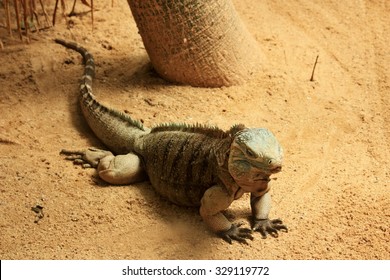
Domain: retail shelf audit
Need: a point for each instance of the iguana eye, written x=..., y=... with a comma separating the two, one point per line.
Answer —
x=251, y=153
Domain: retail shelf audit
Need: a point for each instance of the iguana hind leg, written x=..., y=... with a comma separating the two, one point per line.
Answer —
x=121, y=169
x=117, y=170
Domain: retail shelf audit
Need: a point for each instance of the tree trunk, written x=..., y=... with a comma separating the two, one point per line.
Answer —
x=197, y=42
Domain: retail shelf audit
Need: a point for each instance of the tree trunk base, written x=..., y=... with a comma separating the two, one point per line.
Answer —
x=197, y=42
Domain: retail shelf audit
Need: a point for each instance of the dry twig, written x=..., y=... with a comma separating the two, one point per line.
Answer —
x=27, y=15
x=72, y=12
x=314, y=68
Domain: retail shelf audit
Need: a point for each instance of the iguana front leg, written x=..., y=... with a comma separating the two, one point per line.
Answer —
x=261, y=205
x=215, y=200
x=117, y=170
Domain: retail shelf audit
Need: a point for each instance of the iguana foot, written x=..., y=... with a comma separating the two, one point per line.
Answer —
x=117, y=170
x=236, y=233
x=121, y=169
x=267, y=226
x=88, y=158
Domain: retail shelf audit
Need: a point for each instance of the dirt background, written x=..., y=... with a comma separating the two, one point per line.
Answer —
x=333, y=192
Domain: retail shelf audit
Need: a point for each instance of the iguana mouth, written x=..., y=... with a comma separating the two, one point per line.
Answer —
x=265, y=176
x=263, y=179
x=276, y=169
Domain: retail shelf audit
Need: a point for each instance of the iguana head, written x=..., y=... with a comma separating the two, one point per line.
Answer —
x=255, y=154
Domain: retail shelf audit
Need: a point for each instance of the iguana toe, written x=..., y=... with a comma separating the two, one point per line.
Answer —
x=236, y=233
x=86, y=158
x=267, y=226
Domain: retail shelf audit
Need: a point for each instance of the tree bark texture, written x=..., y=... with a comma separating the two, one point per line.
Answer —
x=197, y=42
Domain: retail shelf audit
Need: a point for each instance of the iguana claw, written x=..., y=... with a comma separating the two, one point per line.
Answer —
x=267, y=226
x=236, y=233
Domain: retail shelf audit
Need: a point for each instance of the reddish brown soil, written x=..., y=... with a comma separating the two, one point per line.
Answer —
x=333, y=192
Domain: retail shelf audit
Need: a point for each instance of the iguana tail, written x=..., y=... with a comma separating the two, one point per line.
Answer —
x=115, y=129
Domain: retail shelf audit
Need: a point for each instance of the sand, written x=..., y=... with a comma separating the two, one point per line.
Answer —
x=333, y=192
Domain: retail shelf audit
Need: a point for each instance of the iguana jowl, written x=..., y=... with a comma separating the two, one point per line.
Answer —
x=191, y=165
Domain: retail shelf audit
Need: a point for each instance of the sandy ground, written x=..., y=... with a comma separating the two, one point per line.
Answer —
x=333, y=192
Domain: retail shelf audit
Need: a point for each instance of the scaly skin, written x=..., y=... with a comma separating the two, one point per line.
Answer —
x=190, y=165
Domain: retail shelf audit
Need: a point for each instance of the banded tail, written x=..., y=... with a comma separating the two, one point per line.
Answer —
x=115, y=129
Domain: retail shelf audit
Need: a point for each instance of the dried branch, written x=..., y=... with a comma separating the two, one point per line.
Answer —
x=314, y=68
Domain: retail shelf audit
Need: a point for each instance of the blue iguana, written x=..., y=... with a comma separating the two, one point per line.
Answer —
x=190, y=165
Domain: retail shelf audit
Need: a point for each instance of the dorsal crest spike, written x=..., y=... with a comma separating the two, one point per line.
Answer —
x=236, y=128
